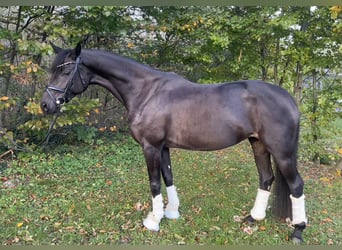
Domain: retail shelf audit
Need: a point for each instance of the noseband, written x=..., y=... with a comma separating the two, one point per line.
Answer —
x=66, y=91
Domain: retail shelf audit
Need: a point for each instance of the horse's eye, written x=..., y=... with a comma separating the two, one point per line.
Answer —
x=66, y=71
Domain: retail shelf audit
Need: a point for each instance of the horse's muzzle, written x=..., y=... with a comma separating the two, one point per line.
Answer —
x=48, y=105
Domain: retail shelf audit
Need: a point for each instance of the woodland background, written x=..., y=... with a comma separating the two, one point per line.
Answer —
x=298, y=48
x=86, y=183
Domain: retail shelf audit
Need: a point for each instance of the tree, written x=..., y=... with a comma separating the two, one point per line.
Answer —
x=298, y=48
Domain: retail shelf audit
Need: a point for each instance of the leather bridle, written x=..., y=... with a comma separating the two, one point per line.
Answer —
x=66, y=91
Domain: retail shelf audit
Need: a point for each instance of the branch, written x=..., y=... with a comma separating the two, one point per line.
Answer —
x=6, y=153
x=15, y=145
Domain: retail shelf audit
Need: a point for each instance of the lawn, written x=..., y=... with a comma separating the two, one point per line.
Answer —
x=98, y=194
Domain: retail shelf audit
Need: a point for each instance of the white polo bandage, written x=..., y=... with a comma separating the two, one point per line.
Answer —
x=153, y=219
x=298, y=210
x=171, y=210
x=258, y=212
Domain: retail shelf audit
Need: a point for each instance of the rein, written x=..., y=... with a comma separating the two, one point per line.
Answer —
x=64, y=98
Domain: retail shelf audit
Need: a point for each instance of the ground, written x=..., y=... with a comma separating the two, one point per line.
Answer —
x=99, y=194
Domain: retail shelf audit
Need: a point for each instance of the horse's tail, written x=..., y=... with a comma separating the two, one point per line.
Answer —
x=282, y=207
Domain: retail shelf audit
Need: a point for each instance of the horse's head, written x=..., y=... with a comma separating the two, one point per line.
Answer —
x=66, y=79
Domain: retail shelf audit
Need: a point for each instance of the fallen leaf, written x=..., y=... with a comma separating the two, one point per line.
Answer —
x=237, y=218
x=28, y=238
x=9, y=184
x=248, y=230
x=102, y=129
x=324, y=179
x=215, y=228
x=20, y=224
x=71, y=209
x=338, y=173
x=138, y=206
x=4, y=98
x=327, y=220
x=70, y=229
x=57, y=224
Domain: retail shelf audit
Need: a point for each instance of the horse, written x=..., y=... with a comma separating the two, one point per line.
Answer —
x=165, y=110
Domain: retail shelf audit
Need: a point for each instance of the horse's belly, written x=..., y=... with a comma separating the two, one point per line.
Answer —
x=205, y=139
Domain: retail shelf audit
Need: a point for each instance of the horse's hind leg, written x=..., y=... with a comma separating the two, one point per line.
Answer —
x=171, y=210
x=287, y=165
x=266, y=177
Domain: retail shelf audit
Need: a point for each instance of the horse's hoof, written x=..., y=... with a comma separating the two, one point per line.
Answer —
x=151, y=223
x=171, y=214
x=249, y=219
x=297, y=233
x=297, y=241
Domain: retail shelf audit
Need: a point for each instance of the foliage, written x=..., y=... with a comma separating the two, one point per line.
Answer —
x=287, y=45
x=6, y=136
x=57, y=197
x=76, y=112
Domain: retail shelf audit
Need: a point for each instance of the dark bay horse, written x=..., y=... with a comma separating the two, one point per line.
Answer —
x=165, y=110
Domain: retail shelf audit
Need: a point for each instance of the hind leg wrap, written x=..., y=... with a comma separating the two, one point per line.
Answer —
x=258, y=212
x=298, y=210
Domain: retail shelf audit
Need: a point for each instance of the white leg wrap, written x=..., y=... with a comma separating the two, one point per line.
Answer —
x=171, y=210
x=298, y=210
x=153, y=219
x=258, y=212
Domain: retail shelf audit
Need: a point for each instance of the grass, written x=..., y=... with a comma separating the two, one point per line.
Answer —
x=98, y=194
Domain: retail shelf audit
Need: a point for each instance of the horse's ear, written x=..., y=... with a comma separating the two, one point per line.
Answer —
x=78, y=50
x=56, y=49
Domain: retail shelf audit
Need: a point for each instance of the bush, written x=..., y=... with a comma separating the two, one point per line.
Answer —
x=35, y=129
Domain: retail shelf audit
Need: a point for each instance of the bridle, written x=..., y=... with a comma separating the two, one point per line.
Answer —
x=66, y=91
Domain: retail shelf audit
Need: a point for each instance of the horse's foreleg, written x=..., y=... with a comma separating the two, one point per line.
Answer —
x=153, y=160
x=171, y=210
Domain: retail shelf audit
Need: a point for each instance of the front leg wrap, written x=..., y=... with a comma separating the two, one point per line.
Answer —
x=171, y=210
x=153, y=218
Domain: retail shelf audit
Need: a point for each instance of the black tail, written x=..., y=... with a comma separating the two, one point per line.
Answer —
x=282, y=207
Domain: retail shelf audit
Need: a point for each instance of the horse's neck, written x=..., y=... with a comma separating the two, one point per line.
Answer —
x=124, y=78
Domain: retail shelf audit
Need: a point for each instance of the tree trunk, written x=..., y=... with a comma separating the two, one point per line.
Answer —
x=315, y=130
x=298, y=83
x=275, y=66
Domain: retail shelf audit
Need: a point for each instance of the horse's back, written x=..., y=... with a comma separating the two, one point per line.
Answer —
x=213, y=116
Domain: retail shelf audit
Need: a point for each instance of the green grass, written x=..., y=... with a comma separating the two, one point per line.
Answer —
x=88, y=194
